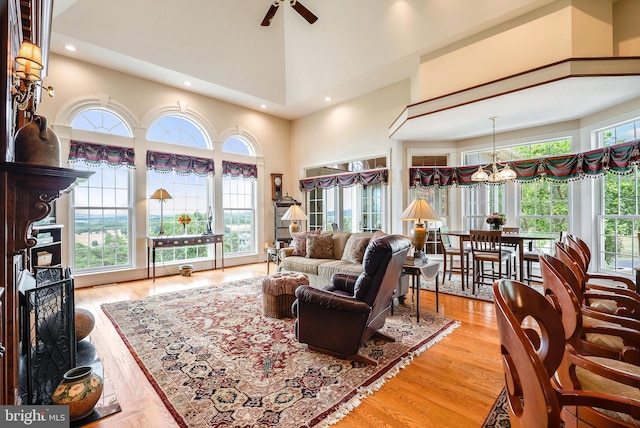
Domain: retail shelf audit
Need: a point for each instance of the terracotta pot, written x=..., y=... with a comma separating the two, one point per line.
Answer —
x=80, y=390
x=36, y=144
x=85, y=322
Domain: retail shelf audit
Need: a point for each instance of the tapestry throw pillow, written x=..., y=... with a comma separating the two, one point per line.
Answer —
x=320, y=246
x=355, y=248
x=300, y=242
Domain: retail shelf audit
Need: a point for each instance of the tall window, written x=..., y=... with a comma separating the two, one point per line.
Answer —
x=102, y=206
x=188, y=181
x=239, y=197
x=541, y=206
x=619, y=223
x=353, y=207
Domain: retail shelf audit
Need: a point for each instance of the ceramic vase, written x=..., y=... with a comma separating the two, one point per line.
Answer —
x=36, y=144
x=80, y=389
x=85, y=322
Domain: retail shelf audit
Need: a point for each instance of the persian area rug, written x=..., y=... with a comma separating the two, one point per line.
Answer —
x=454, y=286
x=498, y=417
x=217, y=361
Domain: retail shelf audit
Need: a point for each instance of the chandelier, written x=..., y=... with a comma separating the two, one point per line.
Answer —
x=493, y=175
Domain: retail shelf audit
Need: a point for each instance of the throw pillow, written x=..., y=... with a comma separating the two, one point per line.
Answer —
x=355, y=248
x=300, y=242
x=320, y=246
x=379, y=234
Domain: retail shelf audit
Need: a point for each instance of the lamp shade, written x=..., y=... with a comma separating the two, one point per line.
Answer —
x=161, y=195
x=419, y=210
x=294, y=213
x=30, y=55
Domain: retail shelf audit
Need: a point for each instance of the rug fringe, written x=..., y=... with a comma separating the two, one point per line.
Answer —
x=345, y=408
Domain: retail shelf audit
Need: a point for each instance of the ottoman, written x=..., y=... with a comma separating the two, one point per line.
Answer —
x=278, y=293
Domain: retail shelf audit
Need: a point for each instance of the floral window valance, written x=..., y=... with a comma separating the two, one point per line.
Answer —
x=236, y=169
x=619, y=158
x=181, y=164
x=366, y=178
x=95, y=154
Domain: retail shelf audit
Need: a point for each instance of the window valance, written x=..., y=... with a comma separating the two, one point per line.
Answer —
x=236, y=169
x=366, y=178
x=95, y=154
x=181, y=164
x=619, y=158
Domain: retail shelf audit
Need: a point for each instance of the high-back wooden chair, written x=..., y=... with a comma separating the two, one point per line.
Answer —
x=532, y=342
x=486, y=247
x=449, y=252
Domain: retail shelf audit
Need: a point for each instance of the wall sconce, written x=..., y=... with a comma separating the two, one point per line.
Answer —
x=26, y=75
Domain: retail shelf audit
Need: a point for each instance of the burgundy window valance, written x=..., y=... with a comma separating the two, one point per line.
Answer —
x=366, y=178
x=619, y=159
x=181, y=164
x=236, y=169
x=95, y=154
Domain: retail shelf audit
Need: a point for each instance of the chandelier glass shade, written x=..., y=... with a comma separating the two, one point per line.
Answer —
x=494, y=175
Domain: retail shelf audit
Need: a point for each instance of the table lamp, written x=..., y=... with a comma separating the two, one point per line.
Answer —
x=161, y=195
x=419, y=211
x=295, y=214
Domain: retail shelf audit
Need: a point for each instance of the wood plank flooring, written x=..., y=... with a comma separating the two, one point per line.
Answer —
x=453, y=384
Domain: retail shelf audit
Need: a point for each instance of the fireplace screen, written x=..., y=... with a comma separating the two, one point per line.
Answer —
x=47, y=332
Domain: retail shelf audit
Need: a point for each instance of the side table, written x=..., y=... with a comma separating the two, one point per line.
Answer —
x=430, y=271
x=272, y=256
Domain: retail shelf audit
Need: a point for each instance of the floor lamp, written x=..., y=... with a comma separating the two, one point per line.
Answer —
x=419, y=211
x=295, y=214
x=161, y=195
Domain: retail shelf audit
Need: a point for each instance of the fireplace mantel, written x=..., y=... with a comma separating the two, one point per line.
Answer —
x=26, y=192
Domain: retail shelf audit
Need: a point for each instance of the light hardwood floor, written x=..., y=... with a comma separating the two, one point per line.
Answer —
x=452, y=384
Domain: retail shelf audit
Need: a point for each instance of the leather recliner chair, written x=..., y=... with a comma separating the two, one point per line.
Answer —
x=340, y=318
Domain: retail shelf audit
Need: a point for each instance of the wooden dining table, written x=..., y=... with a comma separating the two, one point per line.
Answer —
x=517, y=239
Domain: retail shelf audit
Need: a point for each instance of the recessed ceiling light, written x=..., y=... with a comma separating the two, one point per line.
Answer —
x=263, y=106
x=327, y=98
x=187, y=83
x=70, y=48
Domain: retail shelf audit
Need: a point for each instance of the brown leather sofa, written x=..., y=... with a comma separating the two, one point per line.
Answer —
x=338, y=319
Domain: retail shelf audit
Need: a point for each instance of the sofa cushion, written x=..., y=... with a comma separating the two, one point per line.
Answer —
x=356, y=246
x=300, y=242
x=339, y=241
x=320, y=246
x=326, y=270
x=302, y=264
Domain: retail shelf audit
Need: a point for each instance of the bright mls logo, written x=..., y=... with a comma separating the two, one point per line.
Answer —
x=34, y=416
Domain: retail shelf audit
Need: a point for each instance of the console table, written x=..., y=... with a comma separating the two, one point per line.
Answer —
x=154, y=242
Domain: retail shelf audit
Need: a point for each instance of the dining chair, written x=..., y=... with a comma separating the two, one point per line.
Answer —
x=534, y=350
x=512, y=248
x=449, y=252
x=486, y=247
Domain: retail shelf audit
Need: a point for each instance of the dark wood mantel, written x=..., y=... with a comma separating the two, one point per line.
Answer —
x=26, y=192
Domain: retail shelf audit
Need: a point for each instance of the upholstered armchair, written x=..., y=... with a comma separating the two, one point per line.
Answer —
x=340, y=318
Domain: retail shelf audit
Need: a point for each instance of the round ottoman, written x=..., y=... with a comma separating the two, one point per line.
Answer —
x=278, y=293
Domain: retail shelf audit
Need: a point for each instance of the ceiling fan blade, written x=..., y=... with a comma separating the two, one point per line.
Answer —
x=304, y=12
x=270, y=13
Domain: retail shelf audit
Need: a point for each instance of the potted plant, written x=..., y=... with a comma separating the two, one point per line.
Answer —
x=496, y=221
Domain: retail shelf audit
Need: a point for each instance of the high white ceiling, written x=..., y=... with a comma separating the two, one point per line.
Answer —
x=355, y=47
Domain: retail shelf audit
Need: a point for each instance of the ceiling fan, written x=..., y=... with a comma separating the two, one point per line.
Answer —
x=296, y=5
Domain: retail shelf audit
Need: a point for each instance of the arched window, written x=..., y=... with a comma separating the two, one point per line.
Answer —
x=101, y=120
x=239, y=197
x=238, y=145
x=102, y=206
x=178, y=130
x=186, y=177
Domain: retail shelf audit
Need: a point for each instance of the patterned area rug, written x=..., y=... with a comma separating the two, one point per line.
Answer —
x=498, y=417
x=454, y=286
x=217, y=361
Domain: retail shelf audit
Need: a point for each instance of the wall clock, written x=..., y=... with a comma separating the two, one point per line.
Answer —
x=276, y=186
